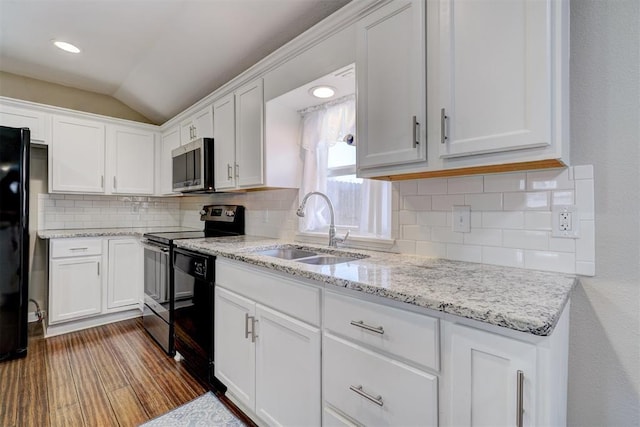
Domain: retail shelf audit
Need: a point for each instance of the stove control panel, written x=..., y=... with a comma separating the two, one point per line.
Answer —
x=219, y=213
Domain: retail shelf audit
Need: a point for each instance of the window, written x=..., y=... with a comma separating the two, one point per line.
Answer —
x=362, y=206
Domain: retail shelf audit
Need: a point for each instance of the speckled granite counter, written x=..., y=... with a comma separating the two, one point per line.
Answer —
x=101, y=232
x=522, y=300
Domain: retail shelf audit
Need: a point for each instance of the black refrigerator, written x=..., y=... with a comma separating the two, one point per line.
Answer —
x=14, y=241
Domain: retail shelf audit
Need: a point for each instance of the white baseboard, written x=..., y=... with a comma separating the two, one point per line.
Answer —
x=90, y=322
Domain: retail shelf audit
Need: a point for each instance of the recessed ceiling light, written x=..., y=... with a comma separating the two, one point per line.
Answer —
x=322, y=91
x=66, y=46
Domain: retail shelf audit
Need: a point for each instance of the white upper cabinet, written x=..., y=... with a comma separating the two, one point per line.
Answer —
x=224, y=136
x=39, y=123
x=199, y=125
x=239, y=138
x=131, y=160
x=250, y=135
x=501, y=78
x=77, y=155
x=390, y=70
x=170, y=141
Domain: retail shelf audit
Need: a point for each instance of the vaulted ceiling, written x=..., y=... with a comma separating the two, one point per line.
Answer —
x=156, y=56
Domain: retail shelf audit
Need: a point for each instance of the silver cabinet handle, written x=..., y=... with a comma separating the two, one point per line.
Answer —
x=358, y=389
x=98, y=269
x=78, y=249
x=361, y=324
x=229, y=176
x=519, y=399
x=115, y=184
x=195, y=132
x=443, y=126
x=416, y=132
x=253, y=329
x=237, y=167
x=102, y=181
x=246, y=324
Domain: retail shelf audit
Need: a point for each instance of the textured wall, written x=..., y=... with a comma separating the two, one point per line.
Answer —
x=27, y=89
x=604, y=358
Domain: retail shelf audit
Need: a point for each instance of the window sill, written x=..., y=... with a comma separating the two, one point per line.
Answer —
x=355, y=242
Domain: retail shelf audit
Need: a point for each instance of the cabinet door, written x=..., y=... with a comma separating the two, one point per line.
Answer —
x=234, y=351
x=131, y=153
x=75, y=288
x=170, y=141
x=287, y=370
x=77, y=155
x=484, y=379
x=38, y=123
x=224, y=135
x=250, y=135
x=390, y=68
x=124, y=282
x=200, y=125
x=495, y=75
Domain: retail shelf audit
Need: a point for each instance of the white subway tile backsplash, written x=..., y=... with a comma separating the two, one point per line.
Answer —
x=406, y=246
x=538, y=200
x=484, y=202
x=415, y=232
x=431, y=249
x=585, y=199
x=407, y=217
x=508, y=257
x=483, y=236
x=432, y=186
x=503, y=219
x=561, y=262
x=537, y=220
x=585, y=246
x=525, y=239
x=464, y=253
x=408, y=187
x=501, y=183
x=552, y=179
x=562, y=198
x=586, y=268
x=432, y=218
x=583, y=172
x=417, y=203
x=445, y=203
x=465, y=184
x=446, y=235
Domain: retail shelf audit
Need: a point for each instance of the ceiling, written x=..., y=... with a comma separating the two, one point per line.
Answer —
x=156, y=56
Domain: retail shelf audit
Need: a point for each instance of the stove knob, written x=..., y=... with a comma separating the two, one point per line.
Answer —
x=230, y=213
x=203, y=212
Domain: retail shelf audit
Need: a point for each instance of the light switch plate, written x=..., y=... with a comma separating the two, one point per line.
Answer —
x=565, y=221
x=461, y=219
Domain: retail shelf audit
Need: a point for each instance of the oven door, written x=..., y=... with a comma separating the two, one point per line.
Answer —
x=156, y=317
x=193, y=311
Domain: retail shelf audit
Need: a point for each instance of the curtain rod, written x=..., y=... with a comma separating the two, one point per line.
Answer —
x=327, y=104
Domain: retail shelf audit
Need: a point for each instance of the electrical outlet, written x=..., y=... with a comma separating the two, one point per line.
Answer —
x=565, y=221
x=461, y=219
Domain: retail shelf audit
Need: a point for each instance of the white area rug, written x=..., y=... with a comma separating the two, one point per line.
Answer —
x=205, y=410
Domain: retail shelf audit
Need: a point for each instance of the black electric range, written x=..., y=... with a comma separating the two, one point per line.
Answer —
x=178, y=309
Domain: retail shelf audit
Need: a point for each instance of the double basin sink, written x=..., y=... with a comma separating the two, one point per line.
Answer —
x=307, y=256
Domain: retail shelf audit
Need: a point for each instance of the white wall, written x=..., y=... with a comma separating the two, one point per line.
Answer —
x=604, y=358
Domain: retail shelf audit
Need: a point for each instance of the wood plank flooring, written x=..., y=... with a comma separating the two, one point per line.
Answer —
x=111, y=375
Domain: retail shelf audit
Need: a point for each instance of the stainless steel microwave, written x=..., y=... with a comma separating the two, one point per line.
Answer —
x=193, y=166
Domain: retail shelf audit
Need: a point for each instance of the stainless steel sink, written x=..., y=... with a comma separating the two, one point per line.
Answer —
x=327, y=260
x=287, y=253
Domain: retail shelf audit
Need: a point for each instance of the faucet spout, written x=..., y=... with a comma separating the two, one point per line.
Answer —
x=333, y=241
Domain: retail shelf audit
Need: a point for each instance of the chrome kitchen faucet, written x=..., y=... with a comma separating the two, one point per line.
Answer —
x=333, y=240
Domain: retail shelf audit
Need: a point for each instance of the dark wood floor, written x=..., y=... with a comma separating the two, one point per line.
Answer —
x=112, y=375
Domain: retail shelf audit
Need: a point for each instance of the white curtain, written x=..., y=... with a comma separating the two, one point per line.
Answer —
x=322, y=127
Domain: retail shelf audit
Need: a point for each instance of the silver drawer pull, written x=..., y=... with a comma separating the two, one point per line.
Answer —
x=361, y=324
x=358, y=389
x=246, y=324
x=78, y=249
x=519, y=399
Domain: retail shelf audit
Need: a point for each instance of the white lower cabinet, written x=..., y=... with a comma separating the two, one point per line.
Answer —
x=125, y=281
x=93, y=281
x=269, y=360
x=78, y=288
x=373, y=389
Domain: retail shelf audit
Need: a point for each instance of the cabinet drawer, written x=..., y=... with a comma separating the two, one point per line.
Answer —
x=405, y=334
x=376, y=390
x=61, y=248
x=296, y=299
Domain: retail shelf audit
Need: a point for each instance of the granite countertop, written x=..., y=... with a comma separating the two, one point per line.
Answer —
x=523, y=300
x=101, y=232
